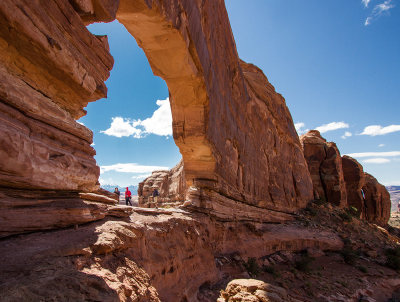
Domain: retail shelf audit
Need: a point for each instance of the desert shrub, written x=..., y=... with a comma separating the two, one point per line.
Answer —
x=353, y=211
x=303, y=264
x=319, y=202
x=252, y=266
x=311, y=211
x=270, y=269
x=349, y=255
x=345, y=216
x=362, y=269
x=393, y=258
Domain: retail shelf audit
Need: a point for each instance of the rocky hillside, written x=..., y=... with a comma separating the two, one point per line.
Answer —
x=134, y=254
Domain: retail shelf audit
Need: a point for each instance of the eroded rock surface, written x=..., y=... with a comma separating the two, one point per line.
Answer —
x=171, y=186
x=375, y=207
x=252, y=290
x=342, y=180
x=377, y=201
x=325, y=167
x=149, y=255
x=234, y=132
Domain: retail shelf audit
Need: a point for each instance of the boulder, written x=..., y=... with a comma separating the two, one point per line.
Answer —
x=325, y=167
x=252, y=290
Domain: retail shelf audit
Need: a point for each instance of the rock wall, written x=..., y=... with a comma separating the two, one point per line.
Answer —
x=171, y=186
x=377, y=202
x=51, y=66
x=234, y=132
x=339, y=180
x=169, y=252
x=325, y=166
x=355, y=178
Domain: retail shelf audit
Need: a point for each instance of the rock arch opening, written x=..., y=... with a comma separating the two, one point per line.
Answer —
x=132, y=128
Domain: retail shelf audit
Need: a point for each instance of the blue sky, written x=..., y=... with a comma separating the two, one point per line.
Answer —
x=336, y=62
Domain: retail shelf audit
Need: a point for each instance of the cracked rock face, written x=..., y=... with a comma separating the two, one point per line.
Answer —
x=341, y=180
x=325, y=166
x=375, y=207
x=234, y=132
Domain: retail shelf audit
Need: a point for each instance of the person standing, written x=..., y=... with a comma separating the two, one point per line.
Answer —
x=155, y=197
x=116, y=191
x=128, y=196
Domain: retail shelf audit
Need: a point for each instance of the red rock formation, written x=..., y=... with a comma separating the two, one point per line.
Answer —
x=253, y=290
x=375, y=207
x=377, y=201
x=354, y=177
x=234, y=132
x=170, y=185
x=325, y=166
x=51, y=66
x=340, y=180
x=129, y=259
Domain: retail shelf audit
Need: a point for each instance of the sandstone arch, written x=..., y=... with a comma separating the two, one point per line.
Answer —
x=241, y=153
x=234, y=131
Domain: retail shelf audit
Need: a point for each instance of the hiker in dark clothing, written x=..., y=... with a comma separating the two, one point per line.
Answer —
x=116, y=191
x=155, y=197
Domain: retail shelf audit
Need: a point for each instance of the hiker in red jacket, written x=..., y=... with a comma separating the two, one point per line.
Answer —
x=128, y=196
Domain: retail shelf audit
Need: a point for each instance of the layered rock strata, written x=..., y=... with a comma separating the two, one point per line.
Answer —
x=234, y=131
x=51, y=66
x=325, y=166
x=150, y=255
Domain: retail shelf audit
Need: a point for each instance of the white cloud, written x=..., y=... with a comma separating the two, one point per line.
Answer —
x=374, y=130
x=122, y=127
x=131, y=168
x=392, y=183
x=160, y=123
x=332, y=126
x=346, y=135
x=299, y=128
x=378, y=160
x=378, y=10
x=366, y=2
x=381, y=145
x=141, y=176
x=81, y=123
x=375, y=154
